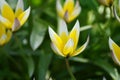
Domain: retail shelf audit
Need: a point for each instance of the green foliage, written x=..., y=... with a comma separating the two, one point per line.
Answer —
x=29, y=56
x=38, y=33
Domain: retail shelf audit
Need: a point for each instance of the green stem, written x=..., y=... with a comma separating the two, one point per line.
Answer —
x=69, y=70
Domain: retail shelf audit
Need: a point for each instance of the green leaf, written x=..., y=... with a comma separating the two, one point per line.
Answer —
x=108, y=68
x=78, y=59
x=30, y=65
x=102, y=64
x=38, y=33
x=43, y=64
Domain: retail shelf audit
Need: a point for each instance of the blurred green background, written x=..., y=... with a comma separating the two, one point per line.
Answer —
x=28, y=55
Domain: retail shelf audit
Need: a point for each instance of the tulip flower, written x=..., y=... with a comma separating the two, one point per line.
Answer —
x=115, y=51
x=5, y=35
x=13, y=20
x=65, y=44
x=69, y=11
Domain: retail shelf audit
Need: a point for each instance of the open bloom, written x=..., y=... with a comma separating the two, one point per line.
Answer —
x=115, y=51
x=69, y=11
x=5, y=35
x=13, y=20
x=65, y=43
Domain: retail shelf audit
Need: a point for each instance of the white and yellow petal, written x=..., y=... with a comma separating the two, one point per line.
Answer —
x=59, y=8
x=19, y=8
x=115, y=51
x=2, y=35
x=55, y=39
x=62, y=30
x=56, y=50
x=81, y=49
x=74, y=34
x=6, y=11
x=6, y=22
x=5, y=35
x=3, y=39
x=62, y=27
x=2, y=30
x=69, y=6
x=76, y=11
x=24, y=16
x=68, y=9
x=68, y=48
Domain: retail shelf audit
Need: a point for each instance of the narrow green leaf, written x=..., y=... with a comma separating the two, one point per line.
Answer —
x=78, y=59
x=38, y=33
x=30, y=65
x=43, y=64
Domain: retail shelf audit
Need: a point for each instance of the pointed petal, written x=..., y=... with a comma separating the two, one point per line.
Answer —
x=81, y=49
x=2, y=30
x=19, y=8
x=77, y=8
x=59, y=8
x=3, y=39
x=6, y=22
x=75, y=12
x=115, y=51
x=16, y=25
x=74, y=34
x=56, y=50
x=62, y=27
x=62, y=30
x=69, y=6
x=68, y=49
x=24, y=16
x=9, y=35
x=6, y=11
x=2, y=34
x=56, y=40
x=110, y=43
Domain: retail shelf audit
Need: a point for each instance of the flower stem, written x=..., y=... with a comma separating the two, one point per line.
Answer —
x=69, y=70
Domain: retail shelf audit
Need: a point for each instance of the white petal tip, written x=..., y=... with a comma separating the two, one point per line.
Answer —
x=29, y=8
x=49, y=29
x=20, y=5
x=86, y=43
x=77, y=24
x=110, y=42
x=82, y=48
x=77, y=21
x=77, y=27
x=62, y=27
x=88, y=38
x=51, y=32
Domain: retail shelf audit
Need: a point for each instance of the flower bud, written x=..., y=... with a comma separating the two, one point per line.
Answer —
x=106, y=2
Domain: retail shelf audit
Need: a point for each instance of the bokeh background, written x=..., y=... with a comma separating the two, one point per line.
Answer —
x=28, y=55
